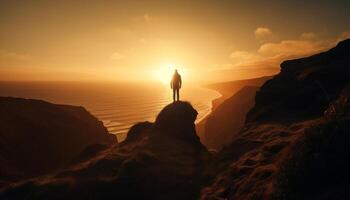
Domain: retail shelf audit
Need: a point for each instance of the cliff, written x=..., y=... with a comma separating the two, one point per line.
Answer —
x=294, y=144
x=160, y=160
x=208, y=131
x=228, y=118
x=304, y=88
x=228, y=89
x=37, y=137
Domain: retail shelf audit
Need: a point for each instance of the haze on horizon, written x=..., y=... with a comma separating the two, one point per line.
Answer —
x=144, y=40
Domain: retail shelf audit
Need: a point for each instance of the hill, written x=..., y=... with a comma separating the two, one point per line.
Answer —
x=38, y=137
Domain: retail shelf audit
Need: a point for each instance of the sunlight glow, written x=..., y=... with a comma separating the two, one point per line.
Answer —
x=165, y=72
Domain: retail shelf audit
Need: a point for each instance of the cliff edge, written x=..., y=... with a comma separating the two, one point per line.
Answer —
x=38, y=137
x=160, y=160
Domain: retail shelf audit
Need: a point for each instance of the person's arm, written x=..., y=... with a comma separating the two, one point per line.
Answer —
x=171, y=84
x=180, y=81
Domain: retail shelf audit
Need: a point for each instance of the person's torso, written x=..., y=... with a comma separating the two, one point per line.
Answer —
x=176, y=80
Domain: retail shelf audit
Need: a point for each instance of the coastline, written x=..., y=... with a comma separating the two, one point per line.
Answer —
x=226, y=90
x=200, y=126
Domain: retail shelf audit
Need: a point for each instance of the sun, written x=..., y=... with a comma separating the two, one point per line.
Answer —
x=165, y=72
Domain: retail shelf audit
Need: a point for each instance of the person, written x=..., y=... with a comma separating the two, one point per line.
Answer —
x=175, y=84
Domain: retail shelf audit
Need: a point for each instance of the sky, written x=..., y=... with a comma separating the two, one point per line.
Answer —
x=206, y=40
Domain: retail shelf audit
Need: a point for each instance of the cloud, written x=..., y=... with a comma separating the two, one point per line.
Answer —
x=292, y=47
x=267, y=59
x=117, y=56
x=243, y=56
x=14, y=56
x=308, y=44
x=271, y=54
x=343, y=36
x=308, y=36
x=263, y=33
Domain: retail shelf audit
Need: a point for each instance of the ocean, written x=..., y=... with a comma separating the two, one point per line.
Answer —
x=117, y=105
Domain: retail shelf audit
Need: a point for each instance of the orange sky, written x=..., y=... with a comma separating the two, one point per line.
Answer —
x=144, y=40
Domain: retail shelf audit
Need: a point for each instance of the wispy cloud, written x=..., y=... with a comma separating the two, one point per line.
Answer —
x=270, y=55
x=263, y=33
x=240, y=57
x=343, y=36
x=308, y=36
x=292, y=47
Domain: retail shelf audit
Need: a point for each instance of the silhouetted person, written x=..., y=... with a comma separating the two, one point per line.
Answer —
x=175, y=84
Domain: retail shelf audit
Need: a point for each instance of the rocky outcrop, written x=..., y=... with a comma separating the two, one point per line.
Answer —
x=294, y=144
x=304, y=88
x=37, y=137
x=228, y=118
x=161, y=160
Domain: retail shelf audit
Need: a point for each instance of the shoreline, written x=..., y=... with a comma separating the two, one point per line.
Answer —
x=227, y=90
x=212, y=105
x=200, y=126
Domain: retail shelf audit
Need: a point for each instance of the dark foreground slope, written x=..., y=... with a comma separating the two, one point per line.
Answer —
x=228, y=118
x=37, y=137
x=161, y=160
x=295, y=143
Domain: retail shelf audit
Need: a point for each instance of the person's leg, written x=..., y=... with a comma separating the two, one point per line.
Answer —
x=178, y=93
x=173, y=94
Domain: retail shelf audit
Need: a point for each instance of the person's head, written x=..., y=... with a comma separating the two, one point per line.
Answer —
x=175, y=71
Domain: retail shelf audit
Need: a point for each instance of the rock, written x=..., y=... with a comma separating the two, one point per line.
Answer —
x=304, y=88
x=138, y=131
x=161, y=160
x=37, y=137
x=89, y=152
x=177, y=120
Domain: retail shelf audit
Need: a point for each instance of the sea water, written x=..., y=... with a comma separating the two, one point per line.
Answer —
x=117, y=105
